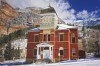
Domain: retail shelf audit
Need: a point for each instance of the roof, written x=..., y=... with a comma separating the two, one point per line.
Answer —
x=44, y=44
x=59, y=27
x=34, y=30
x=48, y=10
x=64, y=26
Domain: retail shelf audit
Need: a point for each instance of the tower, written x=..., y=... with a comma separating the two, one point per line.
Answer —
x=49, y=18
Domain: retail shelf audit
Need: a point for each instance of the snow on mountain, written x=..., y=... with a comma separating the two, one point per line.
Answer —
x=20, y=43
x=91, y=22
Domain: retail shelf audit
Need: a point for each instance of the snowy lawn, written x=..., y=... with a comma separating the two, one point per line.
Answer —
x=80, y=62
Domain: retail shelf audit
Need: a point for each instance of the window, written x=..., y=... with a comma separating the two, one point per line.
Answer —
x=44, y=37
x=61, y=37
x=73, y=38
x=46, y=48
x=61, y=51
x=49, y=37
x=35, y=52
x=36, y=38
x=73, y=50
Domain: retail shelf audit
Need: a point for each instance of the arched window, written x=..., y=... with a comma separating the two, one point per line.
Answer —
x=61, y=51
x=73, y=37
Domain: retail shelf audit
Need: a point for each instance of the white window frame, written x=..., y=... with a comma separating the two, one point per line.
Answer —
x=61, y=48
x=34, y=37
x=59, y=36
x=73, y=35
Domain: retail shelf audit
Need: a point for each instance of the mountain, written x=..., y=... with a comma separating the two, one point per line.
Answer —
x=90, y=22
x=6, y=12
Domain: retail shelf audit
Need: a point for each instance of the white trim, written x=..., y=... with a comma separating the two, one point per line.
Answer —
x=61, y=48
x=44, y=45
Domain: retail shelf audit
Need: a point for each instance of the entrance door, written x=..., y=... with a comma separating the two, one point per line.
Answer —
x=46, y=53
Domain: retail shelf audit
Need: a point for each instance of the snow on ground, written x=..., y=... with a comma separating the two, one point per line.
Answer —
x=80, y=62
x=86, y=63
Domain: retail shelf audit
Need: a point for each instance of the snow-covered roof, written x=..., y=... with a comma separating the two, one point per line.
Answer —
x=44, y=44
x=60, y=27
x=64, y=26
x=34, y=30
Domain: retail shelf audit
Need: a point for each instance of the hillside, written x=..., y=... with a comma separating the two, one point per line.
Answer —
x=7, y=13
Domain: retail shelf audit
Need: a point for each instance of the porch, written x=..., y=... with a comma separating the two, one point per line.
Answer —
x=44, y=51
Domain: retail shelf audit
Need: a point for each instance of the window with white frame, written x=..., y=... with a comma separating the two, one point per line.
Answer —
x=36, y=38
x=73, y=37
x=61, y=51
x=61, y=37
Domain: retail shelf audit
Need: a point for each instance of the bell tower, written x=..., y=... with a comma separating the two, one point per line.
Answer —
x=49, y=18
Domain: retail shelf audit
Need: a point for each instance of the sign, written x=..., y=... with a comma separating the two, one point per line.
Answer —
x=46, y=31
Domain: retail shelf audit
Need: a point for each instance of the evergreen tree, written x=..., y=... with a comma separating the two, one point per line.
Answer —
x=8, y=52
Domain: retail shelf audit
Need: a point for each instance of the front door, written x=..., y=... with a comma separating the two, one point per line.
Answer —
x=46, y=53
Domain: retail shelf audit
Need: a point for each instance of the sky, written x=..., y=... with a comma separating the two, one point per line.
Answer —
x=66, y=9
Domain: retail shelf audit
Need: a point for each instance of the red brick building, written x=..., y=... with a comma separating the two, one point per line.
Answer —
x=52, y=40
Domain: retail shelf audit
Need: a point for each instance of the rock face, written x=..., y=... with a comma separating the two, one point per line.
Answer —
x=6, y=12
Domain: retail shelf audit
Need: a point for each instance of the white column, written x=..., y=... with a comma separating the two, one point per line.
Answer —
x=40, y=53
x=37, y=52
x=38, y=56
x=50, y=52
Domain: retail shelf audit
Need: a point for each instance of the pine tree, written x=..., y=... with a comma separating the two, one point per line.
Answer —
x=8, y=52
